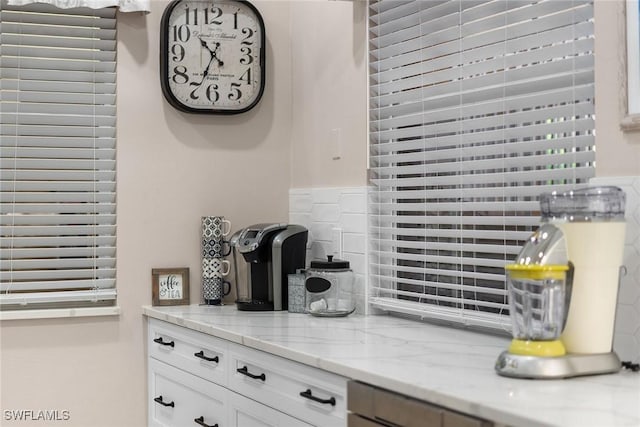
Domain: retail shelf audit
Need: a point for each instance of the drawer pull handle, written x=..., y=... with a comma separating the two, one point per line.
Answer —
x=200, y=421
x=201, y=355
x=245, y=371
x=162, y=342
x=307, y=395
x=163, y=403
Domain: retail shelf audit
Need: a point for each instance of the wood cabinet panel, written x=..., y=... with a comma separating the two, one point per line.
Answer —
x=373, y=406
x=360, y=399
x=453, y=419
x=391, y=408
x=358, y=421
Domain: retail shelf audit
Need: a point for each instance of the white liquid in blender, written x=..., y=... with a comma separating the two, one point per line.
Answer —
x=596, y=250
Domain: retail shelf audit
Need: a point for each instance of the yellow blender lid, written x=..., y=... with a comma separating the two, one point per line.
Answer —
x=537, y=271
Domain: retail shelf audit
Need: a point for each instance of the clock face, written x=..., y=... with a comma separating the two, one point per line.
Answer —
x=212, y=56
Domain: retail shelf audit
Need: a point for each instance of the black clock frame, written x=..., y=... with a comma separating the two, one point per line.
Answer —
x=164, y=63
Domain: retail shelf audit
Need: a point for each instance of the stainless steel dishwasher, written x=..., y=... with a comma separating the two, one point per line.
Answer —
x=371, y=406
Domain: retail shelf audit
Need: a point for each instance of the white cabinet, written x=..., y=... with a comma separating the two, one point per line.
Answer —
x=194, y=352
x=245, y=412
x=177, y=398
x=197, y=379
x=315, y=396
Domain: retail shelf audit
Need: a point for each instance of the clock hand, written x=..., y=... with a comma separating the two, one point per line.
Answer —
x=205, y=73
x=213, y=55
x=213, y=52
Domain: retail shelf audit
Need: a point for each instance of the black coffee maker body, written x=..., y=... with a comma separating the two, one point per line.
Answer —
x=271, y=252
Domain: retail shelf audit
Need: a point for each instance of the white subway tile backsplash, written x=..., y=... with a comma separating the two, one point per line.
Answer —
x=319, y=250
x=354, y=242
x=300, y=218
x=353, y=190
x=325, y=212
x=625, y=344
x=353, y=223
x=353, y=203
x=627, y=317
x=321, y=230
x=629, y=291
x=359, y=284
x=357, y=261
x=336, y=242
x=297, y=191
x=361, y=305
x=325, y=195
x=300, y=203
x=322, y=210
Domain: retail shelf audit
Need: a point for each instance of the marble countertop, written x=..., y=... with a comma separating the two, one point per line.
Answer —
x=445, y=366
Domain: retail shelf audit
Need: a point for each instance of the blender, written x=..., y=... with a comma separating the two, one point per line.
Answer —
x=563, y=288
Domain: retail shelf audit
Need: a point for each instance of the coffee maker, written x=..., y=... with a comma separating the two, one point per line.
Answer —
x=271, y=252
x=563, y=288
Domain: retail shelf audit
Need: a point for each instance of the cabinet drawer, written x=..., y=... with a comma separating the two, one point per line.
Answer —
x=310, y=394
x=177, y=398
x=245, y=412
x=195, y=352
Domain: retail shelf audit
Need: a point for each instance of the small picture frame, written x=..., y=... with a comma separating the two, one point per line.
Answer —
x=630, y=96
x=170, y=286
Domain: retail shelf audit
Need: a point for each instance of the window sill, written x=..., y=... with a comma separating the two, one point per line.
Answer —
x=59, y=313
x=630, y=123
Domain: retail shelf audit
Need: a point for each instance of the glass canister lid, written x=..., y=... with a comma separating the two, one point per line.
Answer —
x=330, y=264
x=584, y=204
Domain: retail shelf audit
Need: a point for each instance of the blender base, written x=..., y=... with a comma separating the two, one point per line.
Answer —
x=570, y=365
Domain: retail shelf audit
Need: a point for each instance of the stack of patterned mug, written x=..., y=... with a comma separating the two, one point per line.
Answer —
x=214, y=266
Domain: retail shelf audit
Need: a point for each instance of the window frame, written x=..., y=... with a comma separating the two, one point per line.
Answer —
x=381, y=269
x=59, y=128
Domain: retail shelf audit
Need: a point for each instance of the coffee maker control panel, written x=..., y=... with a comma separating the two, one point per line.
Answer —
x=251, y=237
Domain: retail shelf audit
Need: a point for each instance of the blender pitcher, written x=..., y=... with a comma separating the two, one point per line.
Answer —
x=592, y=220
x=539, y=289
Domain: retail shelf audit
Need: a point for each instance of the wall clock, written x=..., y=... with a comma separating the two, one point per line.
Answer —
x=212, y=56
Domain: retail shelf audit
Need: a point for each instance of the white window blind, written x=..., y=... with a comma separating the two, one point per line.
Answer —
x=57, y=99
x=476, y=107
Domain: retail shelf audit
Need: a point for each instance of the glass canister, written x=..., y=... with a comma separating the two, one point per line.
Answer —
x=329, y=288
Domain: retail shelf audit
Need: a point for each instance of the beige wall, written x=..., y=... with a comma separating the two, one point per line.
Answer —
x=618, y=153
x=328, y=45
x=174, y=168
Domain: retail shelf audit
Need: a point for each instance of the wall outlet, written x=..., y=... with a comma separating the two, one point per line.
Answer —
x=336, y=144
x=336, y=242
